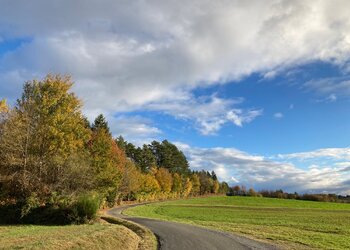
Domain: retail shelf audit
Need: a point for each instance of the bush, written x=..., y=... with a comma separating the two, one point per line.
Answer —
x=86, y=207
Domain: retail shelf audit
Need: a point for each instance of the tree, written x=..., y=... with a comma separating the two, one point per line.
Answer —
x=169, y=156
x=121, y=143
x=195, y=184
x=100, y=123
x=177, y=183
x=224, y=188
x=4, y=110
x=164, y=179
x=149, y=184
x=107, y=160
x=213, y=176
x=206, y=182
x=251, y=192
x=3, y=106
x=146, y=159
x=39, y=138
x=215, y=187
x=187, y=187
x=131, y=180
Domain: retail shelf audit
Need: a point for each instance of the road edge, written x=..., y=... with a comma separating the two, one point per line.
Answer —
x=148, y=239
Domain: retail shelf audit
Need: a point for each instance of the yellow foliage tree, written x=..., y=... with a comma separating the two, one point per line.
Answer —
x=195, y=184
x=3, y=106
x=164, y=179
x=187, y=187
x=149, y=184
x=216, y=186
x=40, y=135
x=131, y=180
x=177, y=183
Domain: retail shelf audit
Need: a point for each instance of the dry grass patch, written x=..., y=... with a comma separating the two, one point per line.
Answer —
x=96, y=236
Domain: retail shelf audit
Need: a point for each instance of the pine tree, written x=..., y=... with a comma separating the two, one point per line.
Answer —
x=100, y=123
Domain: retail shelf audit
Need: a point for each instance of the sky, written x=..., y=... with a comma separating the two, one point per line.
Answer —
x=258, y=91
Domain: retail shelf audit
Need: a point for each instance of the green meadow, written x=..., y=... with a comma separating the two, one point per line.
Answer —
x=290, y=224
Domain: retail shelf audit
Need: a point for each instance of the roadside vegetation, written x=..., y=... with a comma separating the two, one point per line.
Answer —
x=292, y=224
x=96, y=236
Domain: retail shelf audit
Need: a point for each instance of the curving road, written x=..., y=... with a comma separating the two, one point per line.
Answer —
x=178, y=236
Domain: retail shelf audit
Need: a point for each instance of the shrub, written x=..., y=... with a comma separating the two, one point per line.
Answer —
x=86, y=207
x=111, y=197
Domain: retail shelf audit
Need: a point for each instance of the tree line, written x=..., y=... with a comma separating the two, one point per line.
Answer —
x=280, y=194
x=52, y=157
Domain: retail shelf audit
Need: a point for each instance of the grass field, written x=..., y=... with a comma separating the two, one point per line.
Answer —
x=96, y=236
x=291, y=224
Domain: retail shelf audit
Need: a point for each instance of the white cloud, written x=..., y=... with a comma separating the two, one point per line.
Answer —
x=331, y=88
x=124, y=56
x=278, y=115
x=332, y=98
x=209, y=113
x=135, y=129
x=332, y=153
x=238, y=117
x=260, y=172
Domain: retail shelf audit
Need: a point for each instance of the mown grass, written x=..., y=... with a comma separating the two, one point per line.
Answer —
x=291, y=224
x=96, y=236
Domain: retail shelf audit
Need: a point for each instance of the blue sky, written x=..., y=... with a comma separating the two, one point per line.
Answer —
x=257, y=91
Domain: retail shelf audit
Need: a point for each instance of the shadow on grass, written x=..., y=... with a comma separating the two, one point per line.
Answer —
x=11, y=215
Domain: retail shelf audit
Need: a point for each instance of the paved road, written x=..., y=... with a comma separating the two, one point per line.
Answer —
x=178, y=236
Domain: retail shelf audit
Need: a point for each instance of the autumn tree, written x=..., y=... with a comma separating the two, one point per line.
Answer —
x=107, y=160
x=206, y=182
x=149, y=184
x=131, y=180
x=164, y=179
x=177, y=183
x=215, y=186
x=187, y=187
x=40, y=138
x=224, y=187
x=3, y=106
x=4, y=110
x=195, y=184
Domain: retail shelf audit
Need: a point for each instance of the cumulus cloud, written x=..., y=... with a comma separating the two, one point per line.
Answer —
x=125, y=55
x=235, y=166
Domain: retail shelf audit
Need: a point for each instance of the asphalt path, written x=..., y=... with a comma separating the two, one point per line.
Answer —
x=179, y=236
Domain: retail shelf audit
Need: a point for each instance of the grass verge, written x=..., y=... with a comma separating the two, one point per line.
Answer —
x=148, y=241
x=292, y=224
x=95, y=236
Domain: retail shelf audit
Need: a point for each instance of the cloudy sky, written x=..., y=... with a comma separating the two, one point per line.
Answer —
x=259, y=91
